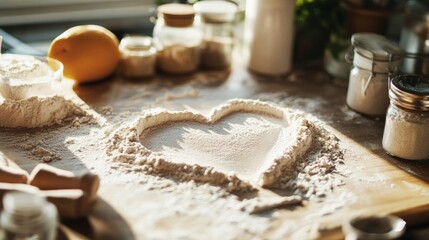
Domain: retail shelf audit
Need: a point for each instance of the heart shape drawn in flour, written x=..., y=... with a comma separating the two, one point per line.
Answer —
x=242, y=142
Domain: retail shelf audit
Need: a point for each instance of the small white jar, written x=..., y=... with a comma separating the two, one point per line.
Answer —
x=406, y=131
x=375, y=57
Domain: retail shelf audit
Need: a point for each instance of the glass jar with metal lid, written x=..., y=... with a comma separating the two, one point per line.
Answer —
x=217, y=22
x=406, y=131
x=374, y=58
x=138, y=56
x=178, y=38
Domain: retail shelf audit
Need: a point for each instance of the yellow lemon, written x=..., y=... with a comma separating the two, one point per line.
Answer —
x=88, y=52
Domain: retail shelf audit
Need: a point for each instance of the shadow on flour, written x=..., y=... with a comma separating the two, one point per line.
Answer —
x=104, y=222
x=96, y=227
x=172, y=135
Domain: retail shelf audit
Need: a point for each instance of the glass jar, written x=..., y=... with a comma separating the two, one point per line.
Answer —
x=138, y=56
x=25, y=76
x=217, y=23
x=374, y=58
x=406, y=131
x=178, y=38
x=28, y=216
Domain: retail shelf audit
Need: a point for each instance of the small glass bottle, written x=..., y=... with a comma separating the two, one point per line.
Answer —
x=375, y=57
x=178, y=38
x=406, y=131
x=28, y=217
x=217, y=22
x=138, y=56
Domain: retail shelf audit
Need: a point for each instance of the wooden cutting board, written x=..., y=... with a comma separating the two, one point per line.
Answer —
x=373, y=185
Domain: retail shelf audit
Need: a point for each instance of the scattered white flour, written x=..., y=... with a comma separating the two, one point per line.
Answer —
x=38, y=149
x=187, y=93
x=256, y=205
x=309, y=104
x=22, y=68
x=21, y=76
x=37, y=112
x=106, y=110
x=30, y=94
x=243, y=143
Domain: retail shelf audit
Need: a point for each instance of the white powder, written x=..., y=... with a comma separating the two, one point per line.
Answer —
x=243, y=143
x=23, y=76
x=30, y=94
x=178, y=208
x=375, y=100
x=406, y=138
x=37, y=112
x=23, y=68
x=256, y=205
x=187, y=93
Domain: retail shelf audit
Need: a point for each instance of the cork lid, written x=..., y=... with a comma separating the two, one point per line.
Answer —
x=215, y=11
x=176, y=14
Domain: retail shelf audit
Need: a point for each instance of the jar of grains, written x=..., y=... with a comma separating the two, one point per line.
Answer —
x=179, y=39
x=406, y=131
x=138, y=56
x=374, y=58
x=217, y=22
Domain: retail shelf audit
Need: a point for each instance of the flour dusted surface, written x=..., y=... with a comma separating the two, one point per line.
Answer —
x=242, y=144
x=180, y=208
x=37, y=112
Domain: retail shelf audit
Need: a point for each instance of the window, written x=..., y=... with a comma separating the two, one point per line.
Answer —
x=20, y=12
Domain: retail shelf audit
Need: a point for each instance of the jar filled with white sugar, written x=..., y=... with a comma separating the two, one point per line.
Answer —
x=178, y=38
x=217, y=23
x=138, y=56
x=375, y=57
x=406, y=133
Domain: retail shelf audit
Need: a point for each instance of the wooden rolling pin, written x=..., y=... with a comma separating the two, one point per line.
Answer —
x=46, y=177
x=13, y=175
x=71, y=203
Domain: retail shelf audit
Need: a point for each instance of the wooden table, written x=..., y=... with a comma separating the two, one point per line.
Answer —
x=379, y=186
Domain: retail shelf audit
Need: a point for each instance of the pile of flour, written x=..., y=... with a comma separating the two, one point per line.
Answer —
x=294, y=150
x=37, y=112
x=30, y=94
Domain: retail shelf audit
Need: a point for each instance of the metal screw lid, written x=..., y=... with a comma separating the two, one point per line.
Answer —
x=410, y=91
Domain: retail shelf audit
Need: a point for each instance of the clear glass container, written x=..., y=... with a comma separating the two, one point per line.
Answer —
x=138, y=56
x=25, y=76
x=217, y=24
x=28, y=217
x=374, y=58
x=406, y=130
x=178, y=39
